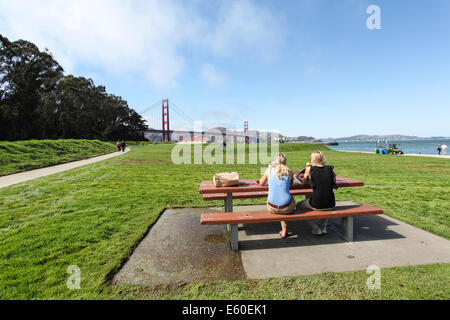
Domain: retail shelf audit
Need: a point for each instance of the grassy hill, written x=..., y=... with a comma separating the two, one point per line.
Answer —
x=27, y=155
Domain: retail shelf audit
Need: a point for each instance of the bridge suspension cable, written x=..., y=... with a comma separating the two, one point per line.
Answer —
x=151, y=116
x=148, y=109
x=181, y=113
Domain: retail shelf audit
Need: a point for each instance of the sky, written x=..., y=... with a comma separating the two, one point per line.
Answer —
x=302, y=67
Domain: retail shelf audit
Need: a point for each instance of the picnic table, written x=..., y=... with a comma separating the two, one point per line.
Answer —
x=252, y=189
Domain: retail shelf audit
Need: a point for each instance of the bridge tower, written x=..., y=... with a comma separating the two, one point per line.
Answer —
x=247, y=139
x=165, y=121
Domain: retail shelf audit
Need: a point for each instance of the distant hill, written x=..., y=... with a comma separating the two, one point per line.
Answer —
x=392, y=137
x=302, y=139
x=365, y=137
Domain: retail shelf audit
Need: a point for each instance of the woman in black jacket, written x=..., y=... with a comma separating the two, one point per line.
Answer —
x=322, y=179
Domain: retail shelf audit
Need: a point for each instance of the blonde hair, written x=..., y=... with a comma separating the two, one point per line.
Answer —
x=280, y=167
x=318, y=158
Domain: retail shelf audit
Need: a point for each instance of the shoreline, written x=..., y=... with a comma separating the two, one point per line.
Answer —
x=409, y=154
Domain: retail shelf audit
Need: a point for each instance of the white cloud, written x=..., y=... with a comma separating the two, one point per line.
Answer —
x=110, y=34
x=211, y=76
x=143, y=38
x=243, y=25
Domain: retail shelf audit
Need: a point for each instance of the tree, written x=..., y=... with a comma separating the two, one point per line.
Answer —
x=37, y=101
x=26, y=75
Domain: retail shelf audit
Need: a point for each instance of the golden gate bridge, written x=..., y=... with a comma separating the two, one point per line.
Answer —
x=158, y=117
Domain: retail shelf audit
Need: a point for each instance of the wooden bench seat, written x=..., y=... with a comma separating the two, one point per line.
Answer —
x=346, y=212
x=252, y=195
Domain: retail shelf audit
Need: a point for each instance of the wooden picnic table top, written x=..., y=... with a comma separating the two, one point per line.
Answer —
x=208, y=187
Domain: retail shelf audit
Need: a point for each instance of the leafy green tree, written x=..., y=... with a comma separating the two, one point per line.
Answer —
x=26, y=74
x=37, y=101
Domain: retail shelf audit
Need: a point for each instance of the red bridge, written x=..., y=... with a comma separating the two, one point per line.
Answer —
x=166, y=134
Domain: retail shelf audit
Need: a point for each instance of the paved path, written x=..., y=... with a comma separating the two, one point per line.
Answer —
x=444, y=156
x=16, y=178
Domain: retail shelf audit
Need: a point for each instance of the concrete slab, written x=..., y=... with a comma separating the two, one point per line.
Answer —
x=179, y=250
x=379, y=240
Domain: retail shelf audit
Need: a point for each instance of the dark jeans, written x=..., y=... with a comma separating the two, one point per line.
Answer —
x=315, y=224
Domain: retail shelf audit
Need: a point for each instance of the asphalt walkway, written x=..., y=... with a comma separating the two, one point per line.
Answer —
x=16, y=178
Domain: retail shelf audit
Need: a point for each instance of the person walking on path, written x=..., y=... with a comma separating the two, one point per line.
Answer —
x=439, y=149
x=444, y=149
x=119, y=146
x=124, y=146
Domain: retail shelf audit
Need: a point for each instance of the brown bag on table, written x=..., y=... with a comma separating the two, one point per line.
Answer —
x=226, y=179
x=299, y=178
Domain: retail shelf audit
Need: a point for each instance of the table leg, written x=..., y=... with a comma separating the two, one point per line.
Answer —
x=347, y=229
x=229, y=207
x=234, y=237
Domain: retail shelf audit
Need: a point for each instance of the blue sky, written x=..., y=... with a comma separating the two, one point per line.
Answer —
x=302, y=67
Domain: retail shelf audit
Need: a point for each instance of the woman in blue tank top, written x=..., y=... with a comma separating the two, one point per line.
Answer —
x=279, y=178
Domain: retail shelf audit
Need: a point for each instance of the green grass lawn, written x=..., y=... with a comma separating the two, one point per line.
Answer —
x=95, y=216
x=27, y=155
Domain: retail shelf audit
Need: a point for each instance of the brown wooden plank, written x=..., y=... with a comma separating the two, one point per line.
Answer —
x=251, y=195
x=208, y=187
x=265, y=216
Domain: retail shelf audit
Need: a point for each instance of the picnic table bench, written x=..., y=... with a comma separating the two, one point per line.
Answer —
x=347, y=213
x=251, y=189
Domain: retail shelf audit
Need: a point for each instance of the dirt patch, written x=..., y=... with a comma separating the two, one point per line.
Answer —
x=216, y=238
x=180, y=250
x=229, y=267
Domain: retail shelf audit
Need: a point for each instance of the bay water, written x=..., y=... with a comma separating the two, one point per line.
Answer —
x=408, y=146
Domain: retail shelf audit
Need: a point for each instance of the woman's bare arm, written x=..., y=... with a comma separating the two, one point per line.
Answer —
x=264, y=179
x=291, y=176
x=307, y=175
